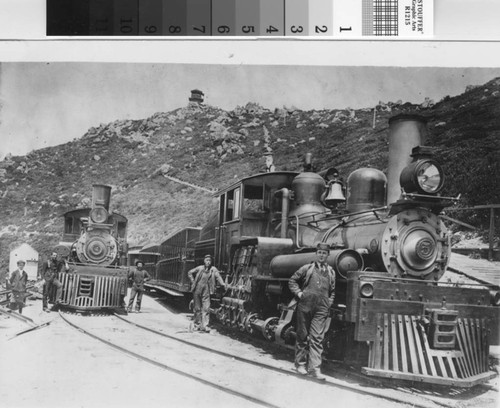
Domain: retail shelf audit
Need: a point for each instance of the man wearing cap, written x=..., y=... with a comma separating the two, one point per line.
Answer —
x=50, y=270
x=203, y=279
x=17, y=284
x=270, y=167
x=137, y=276
x=314, y=286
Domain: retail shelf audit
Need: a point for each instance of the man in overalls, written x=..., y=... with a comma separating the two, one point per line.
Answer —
x=314, y=287
x=203, y=279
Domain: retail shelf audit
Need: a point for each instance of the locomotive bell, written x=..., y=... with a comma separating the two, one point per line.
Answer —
x=335, y=194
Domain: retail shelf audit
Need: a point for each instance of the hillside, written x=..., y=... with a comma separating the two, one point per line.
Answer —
x=209, y=147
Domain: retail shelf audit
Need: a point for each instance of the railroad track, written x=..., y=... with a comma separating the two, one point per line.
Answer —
x=271, y=386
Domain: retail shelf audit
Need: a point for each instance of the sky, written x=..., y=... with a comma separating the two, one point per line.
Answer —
x=45, y=104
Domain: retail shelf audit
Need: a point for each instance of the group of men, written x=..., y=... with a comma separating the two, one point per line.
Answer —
x=18, y=280
x=52, y=286
x=313, y=286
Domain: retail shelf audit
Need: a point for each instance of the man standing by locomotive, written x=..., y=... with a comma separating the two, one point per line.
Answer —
x=17, y=284
x=202, y=286
x=314, y=286
x=137, y=277
x=50, y=270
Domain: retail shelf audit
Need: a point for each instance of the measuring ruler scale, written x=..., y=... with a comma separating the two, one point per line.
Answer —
x=338, y=19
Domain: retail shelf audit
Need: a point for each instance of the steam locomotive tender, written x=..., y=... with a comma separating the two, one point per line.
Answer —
x=94, y=242
x=392, y=316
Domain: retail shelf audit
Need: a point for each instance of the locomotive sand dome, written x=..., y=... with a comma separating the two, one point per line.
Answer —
x=94, y=241
x=392, y=316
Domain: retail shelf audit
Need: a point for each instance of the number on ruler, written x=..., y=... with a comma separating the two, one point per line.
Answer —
x=126, y=26
x=201, y=30
x=271, y=29
x=298, y=29
x=150, y=29
x=223, y=29
x=248, y=29
x=322, y=29
x=174, y=29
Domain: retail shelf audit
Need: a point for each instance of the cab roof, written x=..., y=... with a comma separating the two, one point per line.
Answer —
x=271, y=178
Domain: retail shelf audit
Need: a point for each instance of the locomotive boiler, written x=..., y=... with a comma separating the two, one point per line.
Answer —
x=94, y=244
x=393, y=316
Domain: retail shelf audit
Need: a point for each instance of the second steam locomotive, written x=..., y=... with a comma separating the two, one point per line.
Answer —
x=94, y=243
x=392, y=316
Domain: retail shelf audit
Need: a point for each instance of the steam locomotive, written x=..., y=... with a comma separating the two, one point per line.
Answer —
x=94, y=244
x=392, y=316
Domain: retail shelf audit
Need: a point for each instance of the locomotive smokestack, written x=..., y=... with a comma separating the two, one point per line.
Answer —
x=405, y=133
x=100, y=196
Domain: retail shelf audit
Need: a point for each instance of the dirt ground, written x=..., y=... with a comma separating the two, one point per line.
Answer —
x=56, y=366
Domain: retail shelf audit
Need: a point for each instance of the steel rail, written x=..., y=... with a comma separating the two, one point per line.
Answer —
x=39, y=326
x=169, y=368
x=330, y=382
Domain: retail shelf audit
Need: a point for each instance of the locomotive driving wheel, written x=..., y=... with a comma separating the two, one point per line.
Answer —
x=248, y=322
x=269, y=328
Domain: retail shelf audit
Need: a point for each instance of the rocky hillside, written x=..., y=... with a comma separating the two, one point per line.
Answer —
x=207, y=147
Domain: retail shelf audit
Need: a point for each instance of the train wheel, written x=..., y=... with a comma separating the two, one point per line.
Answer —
x=248, y=322
x=269, y=328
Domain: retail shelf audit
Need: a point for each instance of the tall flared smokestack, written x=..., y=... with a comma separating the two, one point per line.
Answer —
x=405, y=133
x=101, y=195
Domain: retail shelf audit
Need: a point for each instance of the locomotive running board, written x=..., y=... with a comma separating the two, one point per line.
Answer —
x=168, y=291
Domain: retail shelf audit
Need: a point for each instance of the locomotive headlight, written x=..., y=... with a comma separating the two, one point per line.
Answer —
x=366, y=290
x=99, y=215
x=422, y=176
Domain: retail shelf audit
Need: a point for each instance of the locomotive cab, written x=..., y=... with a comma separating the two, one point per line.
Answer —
x=248, y=208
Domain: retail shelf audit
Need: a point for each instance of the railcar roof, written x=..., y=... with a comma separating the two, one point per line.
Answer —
x=258, y=179
x=152, y=247
x=140, y=252
x=85, y=212
x=178, y=231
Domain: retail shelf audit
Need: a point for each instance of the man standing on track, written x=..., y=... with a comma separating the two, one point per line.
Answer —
x=137, y=276
x=50, y=272
x=314, y=287
x=202, y=286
